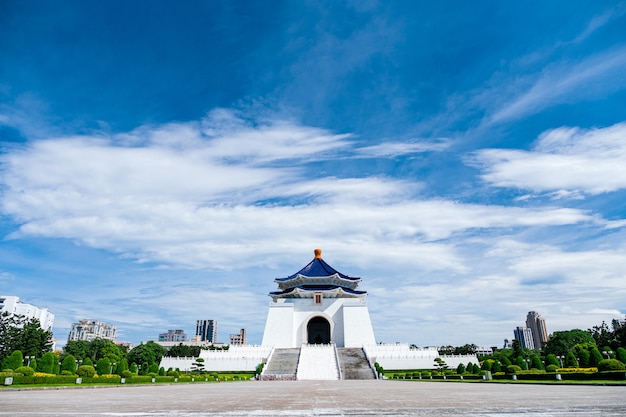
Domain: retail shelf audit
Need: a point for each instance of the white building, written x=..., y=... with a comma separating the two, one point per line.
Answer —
x=89, y=330
x=177, y=335
x=317, y=314
x=318, y=305
x=14, y=306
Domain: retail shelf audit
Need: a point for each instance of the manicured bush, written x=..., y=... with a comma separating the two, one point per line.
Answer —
x=68, y=365
x=86, y=371
x=551, y=368
x=104, y=366
x=13, y=361
x=610, y=365
x=47, y=362
x=513, y=369
x=25, y=370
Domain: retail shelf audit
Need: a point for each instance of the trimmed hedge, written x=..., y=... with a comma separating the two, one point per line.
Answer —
x=578, y=376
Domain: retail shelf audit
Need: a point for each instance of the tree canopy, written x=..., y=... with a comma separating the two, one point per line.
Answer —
x=561, y=343
x=26, y=335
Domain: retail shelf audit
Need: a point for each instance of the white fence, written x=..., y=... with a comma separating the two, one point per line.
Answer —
x=401, y=356
x=236, y=358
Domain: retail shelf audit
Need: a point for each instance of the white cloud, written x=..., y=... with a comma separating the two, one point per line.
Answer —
x=393, y=149
x=179, y=196
x=566, y=160
x=6, y=276
x=564, y=82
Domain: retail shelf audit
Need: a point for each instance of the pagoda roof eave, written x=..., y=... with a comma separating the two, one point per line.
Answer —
x=328, y=291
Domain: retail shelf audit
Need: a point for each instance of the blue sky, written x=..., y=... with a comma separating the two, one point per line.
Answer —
x=162, y=163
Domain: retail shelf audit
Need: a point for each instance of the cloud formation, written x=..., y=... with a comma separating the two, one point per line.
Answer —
x=563, y=160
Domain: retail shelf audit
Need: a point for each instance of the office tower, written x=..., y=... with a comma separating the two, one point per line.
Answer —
x=537, y=326
x=206, y=330
x=524, y=336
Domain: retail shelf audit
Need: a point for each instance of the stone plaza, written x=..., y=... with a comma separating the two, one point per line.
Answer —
x=320, y=398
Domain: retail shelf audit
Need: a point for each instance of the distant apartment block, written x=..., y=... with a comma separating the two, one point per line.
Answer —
x=537, y=326
x=206, y=331
x=89, y=330
x=173, y=336
x=12, y=305
x=524, y=336
x=239, y=338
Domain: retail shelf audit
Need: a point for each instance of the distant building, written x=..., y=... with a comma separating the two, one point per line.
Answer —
x=524, y=336
x=206, y=330
x=89, y=330
x=537, y=326
x=483, y=351
x=239, y=338
x=14, y=306
x=173, y=336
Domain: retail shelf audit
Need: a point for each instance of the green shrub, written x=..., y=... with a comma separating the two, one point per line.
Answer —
x=513, y=369
x=551, y=368
x=86, y=371
x=127, y=374
x=604, y=365
x=172, y=372
x=67, y=373
x=25, y=370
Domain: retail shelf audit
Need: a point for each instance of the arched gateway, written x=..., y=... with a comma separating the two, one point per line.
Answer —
x=318, y=331
x=318, y=304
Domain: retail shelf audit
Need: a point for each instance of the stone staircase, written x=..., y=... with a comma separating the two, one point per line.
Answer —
x=354, y=364
x=283, y=365
x=318, y=362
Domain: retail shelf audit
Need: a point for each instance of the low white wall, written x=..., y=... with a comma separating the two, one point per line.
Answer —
x=401, y=356
x=236, y=358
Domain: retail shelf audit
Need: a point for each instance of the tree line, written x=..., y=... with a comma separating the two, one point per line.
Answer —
x=24, y=345
x=601, y=347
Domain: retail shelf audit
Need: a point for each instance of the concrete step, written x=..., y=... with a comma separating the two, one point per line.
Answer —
x=283, y=362
x=354, y=364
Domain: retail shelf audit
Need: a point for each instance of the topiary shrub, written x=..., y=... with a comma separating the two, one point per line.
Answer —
x=25, y=370
x=551, y=368
x=172, y=372
x=606, y=365
x=513, y=369
x=67, y=373
x=127, y=374
x=86, y=371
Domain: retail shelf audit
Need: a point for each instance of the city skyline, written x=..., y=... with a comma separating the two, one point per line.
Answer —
x=161, y=163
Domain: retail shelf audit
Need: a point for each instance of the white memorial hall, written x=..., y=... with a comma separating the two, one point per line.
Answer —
x=318, y=327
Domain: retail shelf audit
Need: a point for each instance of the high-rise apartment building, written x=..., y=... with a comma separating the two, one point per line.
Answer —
x=524, y=336
x=206, y=330
x=239, y=338
x=537, y=326
x=12, y=305
x=173, y=336
x=87, y=329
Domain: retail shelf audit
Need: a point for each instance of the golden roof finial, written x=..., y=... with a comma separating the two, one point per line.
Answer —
x=318, y=253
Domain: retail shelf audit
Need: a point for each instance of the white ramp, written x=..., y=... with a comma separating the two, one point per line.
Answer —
x=318, y=362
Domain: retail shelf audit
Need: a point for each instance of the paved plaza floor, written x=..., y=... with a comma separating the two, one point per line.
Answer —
x=320, y=398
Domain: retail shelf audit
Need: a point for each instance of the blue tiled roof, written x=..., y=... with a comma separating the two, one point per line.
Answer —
x=317, y=268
